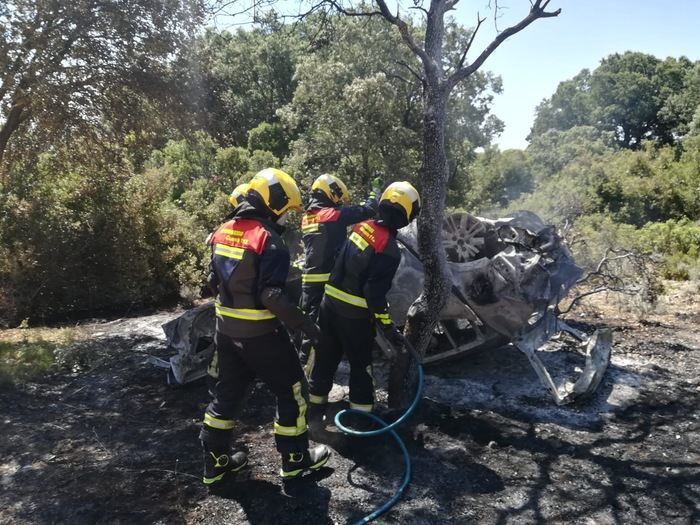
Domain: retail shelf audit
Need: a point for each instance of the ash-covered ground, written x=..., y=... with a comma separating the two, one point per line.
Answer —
x=111, y=443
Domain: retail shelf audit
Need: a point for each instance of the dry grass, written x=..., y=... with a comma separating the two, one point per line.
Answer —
x=26, y=353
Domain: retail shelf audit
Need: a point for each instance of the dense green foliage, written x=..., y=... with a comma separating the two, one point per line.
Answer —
x=614, y=156
x=646, y=200
x=633, y=95
x=81, y=231
x=108, y=206
x=115, y=214
x=92, y=67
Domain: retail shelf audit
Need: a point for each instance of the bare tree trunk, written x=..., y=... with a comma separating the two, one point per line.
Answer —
x=424, y=312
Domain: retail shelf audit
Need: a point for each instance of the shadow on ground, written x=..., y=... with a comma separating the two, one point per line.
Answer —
x=112, y=443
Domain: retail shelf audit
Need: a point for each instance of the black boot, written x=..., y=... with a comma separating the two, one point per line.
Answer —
x=220, y=462
x=295, y=464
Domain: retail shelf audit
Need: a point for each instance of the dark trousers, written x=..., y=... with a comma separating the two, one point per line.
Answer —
x=310, y=303
x=343, y=336
x=273, y=359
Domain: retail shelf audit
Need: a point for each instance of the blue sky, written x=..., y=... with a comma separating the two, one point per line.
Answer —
x=550, y=50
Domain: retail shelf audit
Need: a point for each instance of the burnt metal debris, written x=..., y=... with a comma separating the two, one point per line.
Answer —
x=508, y=276
x=191, y=337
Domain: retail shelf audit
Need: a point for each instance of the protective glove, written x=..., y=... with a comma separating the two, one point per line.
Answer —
x=395, y=337
x=311, y=330
x=376, y=185
x=213, y=280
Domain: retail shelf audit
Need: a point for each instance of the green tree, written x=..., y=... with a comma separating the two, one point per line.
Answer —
x=357, y=106
x=75, y=237
x=64, y=65
x=648, y=186
x=568, y=107
x=440, y=73
x=691, y=145
x=354, y=110
x=186, y=161
x=248, y=76
x=629, y=91
x=634, y=95
x=497, y=178
x=269, y=137
x=567, y=167
x=555, y=149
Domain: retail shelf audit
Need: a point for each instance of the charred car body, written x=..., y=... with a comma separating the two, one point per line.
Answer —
x=508, y=277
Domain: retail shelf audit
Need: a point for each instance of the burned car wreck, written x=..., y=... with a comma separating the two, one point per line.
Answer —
x=508, y=277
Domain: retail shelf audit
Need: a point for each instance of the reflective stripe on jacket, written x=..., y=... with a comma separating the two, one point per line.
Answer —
x=324, y=230
x=364, y=271
x=248, y=256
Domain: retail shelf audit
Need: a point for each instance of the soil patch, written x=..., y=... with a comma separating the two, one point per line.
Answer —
x=112, y=443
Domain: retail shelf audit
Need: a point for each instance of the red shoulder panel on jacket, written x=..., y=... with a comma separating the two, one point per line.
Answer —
x=375, y=234
x=248, y=234
x=327, y=214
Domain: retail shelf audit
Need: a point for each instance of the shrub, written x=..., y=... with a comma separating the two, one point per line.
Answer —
x=81, y=232
x=678, y=242
x=598, y=233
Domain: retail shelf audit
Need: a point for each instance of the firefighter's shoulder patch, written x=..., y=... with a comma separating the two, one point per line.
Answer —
x=327, y=214
x=375, y=234
x=248, y=234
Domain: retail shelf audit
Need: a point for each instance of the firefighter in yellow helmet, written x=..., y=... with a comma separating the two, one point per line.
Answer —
x=249, y=267
x=324, y=229
x=355, y=304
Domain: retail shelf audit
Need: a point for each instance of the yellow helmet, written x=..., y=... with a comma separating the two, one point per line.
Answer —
x=237, y=194
x=276, y=190
x=332, y=187
x=402, y=196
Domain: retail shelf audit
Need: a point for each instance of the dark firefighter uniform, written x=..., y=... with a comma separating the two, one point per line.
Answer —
x=249, y=269
x=355, y=299
x=324, y=229
x=235, y=199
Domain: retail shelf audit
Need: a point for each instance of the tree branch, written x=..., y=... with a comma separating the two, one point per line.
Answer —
x=576, y=299
x=496, y=9
x=536, y=11
x=479, y=21
x=608, y=279
x=415, y=73
x=221, y=8
x=396, y=76
x=604, y=262
x=345, y=12
x=405, y=31
x=420, y=8
x=16, y=116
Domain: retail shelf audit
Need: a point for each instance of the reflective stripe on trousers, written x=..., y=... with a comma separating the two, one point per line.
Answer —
x=300, y=426
x=215, y=422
